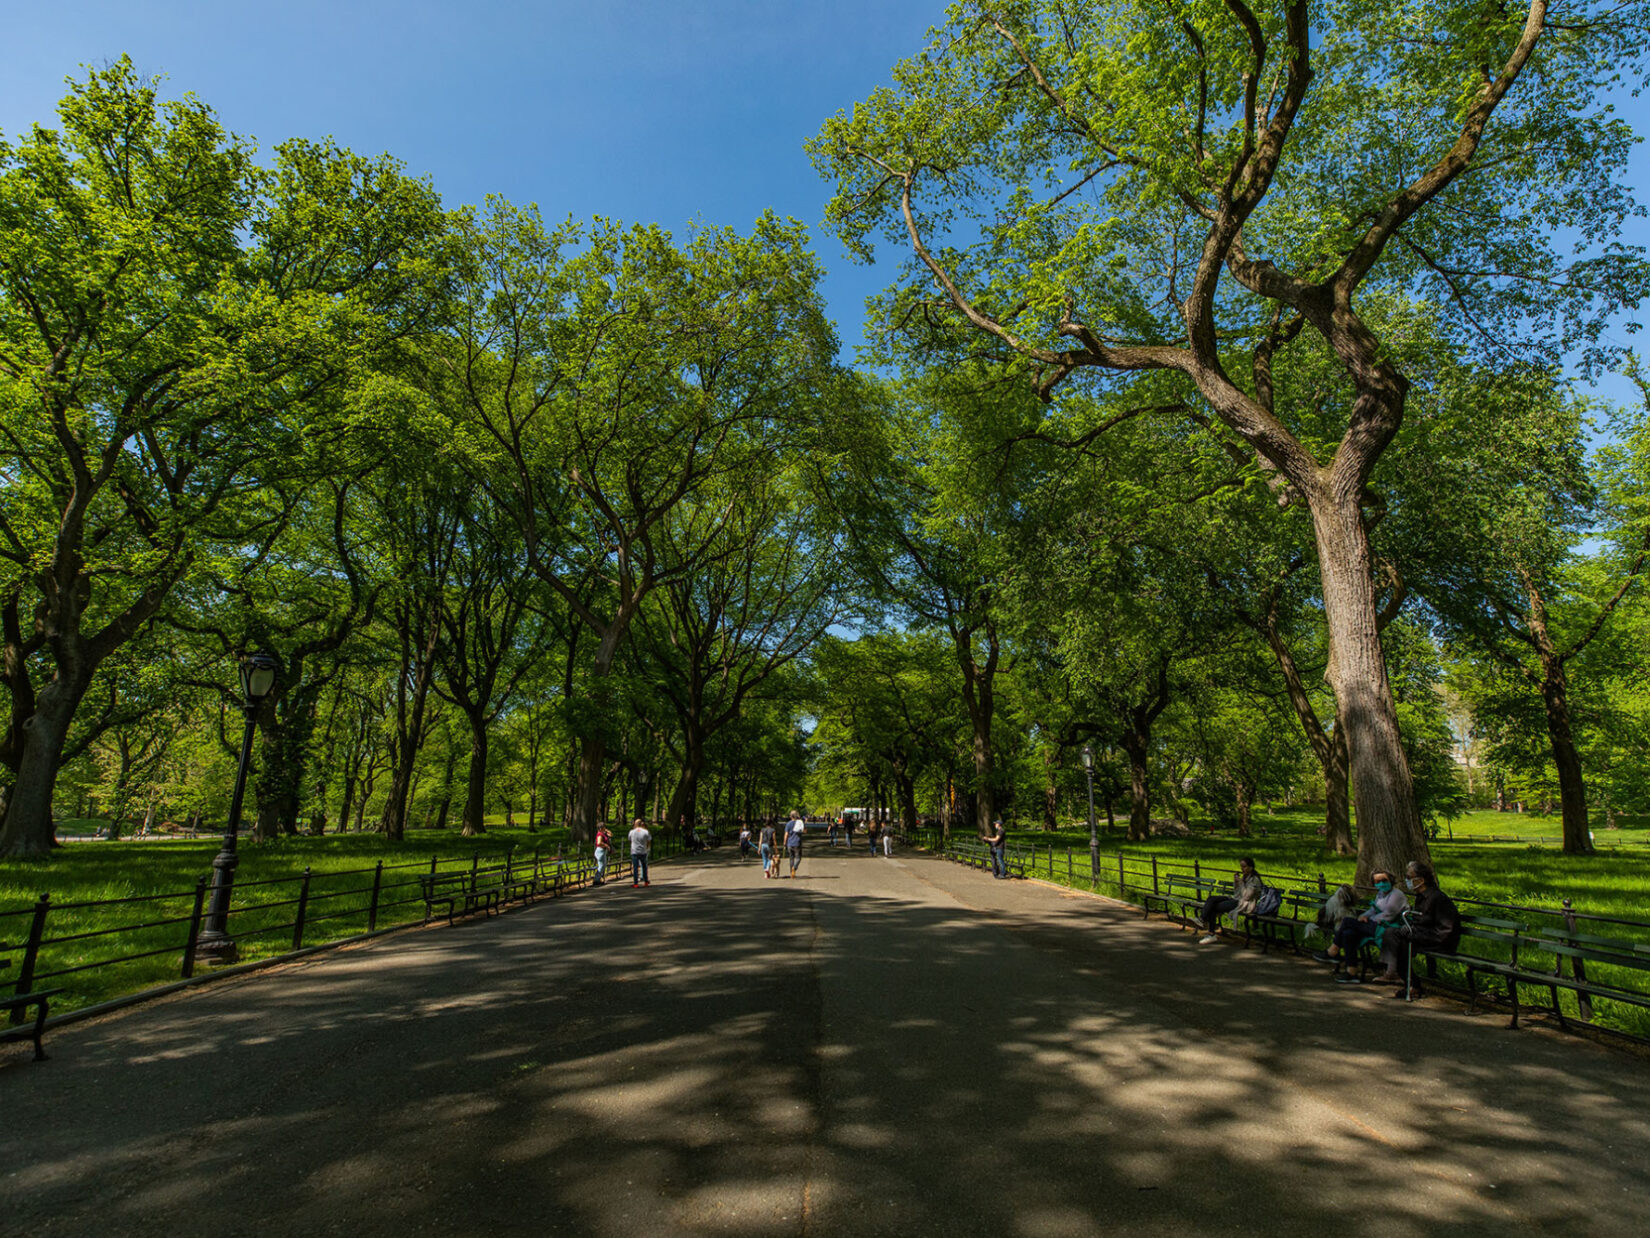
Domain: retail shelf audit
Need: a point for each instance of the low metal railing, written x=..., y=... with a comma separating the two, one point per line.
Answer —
x=52, y=943
x=1133, y=877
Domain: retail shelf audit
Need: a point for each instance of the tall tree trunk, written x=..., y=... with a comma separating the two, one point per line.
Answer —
x=411, y=705
x=1572, y=789
x=907, y=800
x=1243, y=795
x=684, y=801
x=28, y=828
x=1140, y=795
x=1389, y=825
x=1555, y=700
x=285, y=725
x=475, y=793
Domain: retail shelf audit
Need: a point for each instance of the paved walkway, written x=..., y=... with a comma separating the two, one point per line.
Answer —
x=898, y=1047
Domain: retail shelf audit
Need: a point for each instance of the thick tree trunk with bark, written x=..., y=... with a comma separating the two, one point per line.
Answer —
x=286, y=722
x=1572, y=788
x=980, y=696
x=28, y=828
x=1140, y=793
x=1389, y=825
x=475, y=793
x=907, y=787
x=1337, y=797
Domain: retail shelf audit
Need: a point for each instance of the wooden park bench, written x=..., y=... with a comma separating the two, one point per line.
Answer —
x=1297, y=913
x=455, y=890
x=1488, y=947
x=1183, y=897
x=1600, y=968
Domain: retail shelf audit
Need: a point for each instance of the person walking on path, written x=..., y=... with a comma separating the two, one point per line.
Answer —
x=997, y=840
x=793, y=840
x=744, y=840
x=871, y=835
x=888, y=839
x=604, y=848
x=1246, y=890
x=641, y=843
x=768, y=846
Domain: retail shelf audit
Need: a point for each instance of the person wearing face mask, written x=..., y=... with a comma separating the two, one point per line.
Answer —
x=1369, y=925
x=1435, y=924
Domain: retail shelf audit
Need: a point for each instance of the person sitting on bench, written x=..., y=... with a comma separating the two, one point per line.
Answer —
x=1435, y=924
x=1246, y=889
x=1383, y=911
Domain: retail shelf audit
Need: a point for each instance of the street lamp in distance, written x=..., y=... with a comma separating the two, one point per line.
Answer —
x=215, y=945
x=1094, y=837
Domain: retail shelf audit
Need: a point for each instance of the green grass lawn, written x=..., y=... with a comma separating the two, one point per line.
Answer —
x=160, y=877
x=1616, y=882
x=1286, y=849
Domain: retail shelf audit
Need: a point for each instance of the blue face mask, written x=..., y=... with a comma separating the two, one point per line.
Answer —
x=1385, y=887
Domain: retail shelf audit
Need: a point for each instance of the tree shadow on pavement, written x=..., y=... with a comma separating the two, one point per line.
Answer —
x=769, y=1058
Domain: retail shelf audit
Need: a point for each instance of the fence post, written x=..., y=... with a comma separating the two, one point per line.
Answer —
x=31, y=952
x=1197, y=870
x=372, y=907
x=1155, y=888
x=1071, y=874
x=475, y=861
x=194, y=929
x=1584, y=1003
x=1121, y=888
x=303, y=909
x=508, y=852
x=1323, y=884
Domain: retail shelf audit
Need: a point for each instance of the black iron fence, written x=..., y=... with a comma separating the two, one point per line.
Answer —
x=109, y=952
x=1134, y=877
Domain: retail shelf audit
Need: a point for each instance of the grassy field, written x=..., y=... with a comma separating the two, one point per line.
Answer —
x=157, y=879
x=1616, y=882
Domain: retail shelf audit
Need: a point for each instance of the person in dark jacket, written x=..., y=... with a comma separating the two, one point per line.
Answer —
x=1434, y=924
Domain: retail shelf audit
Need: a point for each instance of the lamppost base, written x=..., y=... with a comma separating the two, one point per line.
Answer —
x=216, y=951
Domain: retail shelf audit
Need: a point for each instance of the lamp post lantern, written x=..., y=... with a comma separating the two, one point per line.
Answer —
x=1094, y=837
x=215, y=945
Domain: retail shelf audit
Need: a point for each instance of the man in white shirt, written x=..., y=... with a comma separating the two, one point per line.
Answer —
x=641, y=843
x=793, y=839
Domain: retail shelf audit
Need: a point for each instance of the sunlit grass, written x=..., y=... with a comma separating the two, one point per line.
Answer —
x=166, y=873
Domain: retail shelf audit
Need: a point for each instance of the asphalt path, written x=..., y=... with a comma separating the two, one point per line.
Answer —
x=883, y=1046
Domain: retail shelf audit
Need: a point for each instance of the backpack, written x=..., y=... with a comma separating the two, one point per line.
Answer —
x=1269, y=901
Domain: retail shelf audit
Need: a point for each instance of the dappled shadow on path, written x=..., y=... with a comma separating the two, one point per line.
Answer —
x=899, y=1048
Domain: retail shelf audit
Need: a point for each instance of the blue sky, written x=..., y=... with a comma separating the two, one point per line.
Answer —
x=641, y=110
x=635, y=109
